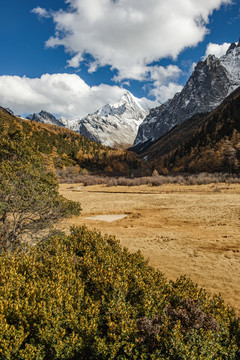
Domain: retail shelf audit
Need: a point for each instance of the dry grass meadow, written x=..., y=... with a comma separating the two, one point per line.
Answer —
x=181, y=229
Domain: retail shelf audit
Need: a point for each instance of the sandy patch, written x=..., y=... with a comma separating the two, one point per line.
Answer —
x=107, y=218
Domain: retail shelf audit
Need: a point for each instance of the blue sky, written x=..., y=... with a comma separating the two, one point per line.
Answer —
x=70, y=57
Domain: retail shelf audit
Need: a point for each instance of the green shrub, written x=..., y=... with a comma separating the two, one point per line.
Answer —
x=83, y=297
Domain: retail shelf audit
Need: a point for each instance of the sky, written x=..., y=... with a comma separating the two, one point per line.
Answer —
x=70, y=57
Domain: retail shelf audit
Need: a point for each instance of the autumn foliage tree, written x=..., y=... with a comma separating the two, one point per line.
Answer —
x=29, y=198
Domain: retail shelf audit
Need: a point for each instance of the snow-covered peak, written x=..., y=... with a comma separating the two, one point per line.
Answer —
x=127, y=103
x=231, y=62
x=65, y=121
x=45, y=117
x=141, y=104
x=104, y=110
x=115, y=125
x=130, y=100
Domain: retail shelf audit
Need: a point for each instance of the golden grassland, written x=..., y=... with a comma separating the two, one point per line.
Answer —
x=181, y=229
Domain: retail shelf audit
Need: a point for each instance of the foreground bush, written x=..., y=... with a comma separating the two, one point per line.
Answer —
x=82, y=297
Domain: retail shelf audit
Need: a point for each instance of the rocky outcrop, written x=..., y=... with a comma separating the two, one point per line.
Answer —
x=45, y=117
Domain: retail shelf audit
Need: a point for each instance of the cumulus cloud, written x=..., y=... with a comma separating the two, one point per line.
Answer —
x=217, y=50
x=163, y=80
x=164, y=74
x=64, y=94
x=165, y=92
x=68, y=95
x=128, y=35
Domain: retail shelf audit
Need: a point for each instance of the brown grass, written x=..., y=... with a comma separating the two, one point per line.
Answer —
x=182, y=229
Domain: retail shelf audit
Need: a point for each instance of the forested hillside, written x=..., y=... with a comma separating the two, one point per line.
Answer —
x=208, y=143
x=62, y=148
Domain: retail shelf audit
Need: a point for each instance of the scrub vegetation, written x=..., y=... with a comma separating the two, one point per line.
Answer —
x=84, y=297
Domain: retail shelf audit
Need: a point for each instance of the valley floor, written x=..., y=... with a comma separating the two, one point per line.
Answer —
x=192, y=230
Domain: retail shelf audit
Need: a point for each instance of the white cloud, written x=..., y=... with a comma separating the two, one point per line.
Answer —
x=128, y=35
x=164, y=74
x=93, y=66
x=217, y=50
x=41, y=12
x=64, y=94
x=165, y=92
x=164, y=84
x=75, y=61
x=68, y=95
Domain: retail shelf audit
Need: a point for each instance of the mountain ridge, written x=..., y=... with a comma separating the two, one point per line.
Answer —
x=202, y=143
x=211, y=81
x=113, y=125
x=45, y=117
x=65, y=149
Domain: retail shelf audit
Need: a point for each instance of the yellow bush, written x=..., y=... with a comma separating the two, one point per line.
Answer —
x=83, y=297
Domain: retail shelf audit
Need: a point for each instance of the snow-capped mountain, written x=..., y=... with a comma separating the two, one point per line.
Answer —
x=45, y=117
x=115, y=125
x=112, y=125
x=211, y=81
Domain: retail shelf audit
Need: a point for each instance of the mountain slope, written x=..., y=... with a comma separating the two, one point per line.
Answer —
x=211, y=81
x=208, y=143
x=112, y=125
x=115, y=125
x=63, y=148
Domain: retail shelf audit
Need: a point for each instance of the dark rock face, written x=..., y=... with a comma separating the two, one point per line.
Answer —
x=211, y=81
x=45, y=117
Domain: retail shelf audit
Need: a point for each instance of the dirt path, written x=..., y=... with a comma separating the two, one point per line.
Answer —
x=192, y=230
